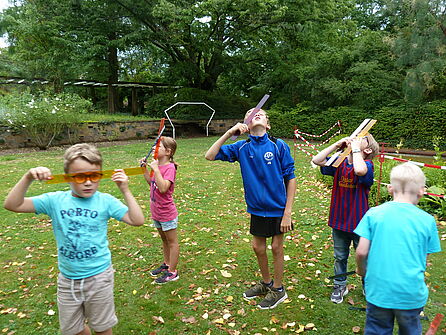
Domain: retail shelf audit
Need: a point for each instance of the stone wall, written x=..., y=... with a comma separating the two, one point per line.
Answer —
x=118, y=131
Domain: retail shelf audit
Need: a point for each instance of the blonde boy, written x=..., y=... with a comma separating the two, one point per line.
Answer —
x=79, y=219
x=396, y=238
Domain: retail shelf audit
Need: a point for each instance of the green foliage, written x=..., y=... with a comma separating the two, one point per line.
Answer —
x=226, y=106
x=42, y=117
x=419, y=46
x=416, y=127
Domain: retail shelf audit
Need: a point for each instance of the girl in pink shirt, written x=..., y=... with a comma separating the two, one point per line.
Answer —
x=164, y=212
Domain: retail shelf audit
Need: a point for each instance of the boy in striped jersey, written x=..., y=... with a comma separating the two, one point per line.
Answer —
x=349, y=200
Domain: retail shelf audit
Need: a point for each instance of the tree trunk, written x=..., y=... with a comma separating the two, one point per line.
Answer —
x=113, y=68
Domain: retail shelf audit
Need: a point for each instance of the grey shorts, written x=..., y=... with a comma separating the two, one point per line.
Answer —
x=165, y=226
x=89, y=299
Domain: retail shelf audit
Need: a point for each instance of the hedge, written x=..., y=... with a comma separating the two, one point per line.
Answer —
x=414, y=127
x=226, y=106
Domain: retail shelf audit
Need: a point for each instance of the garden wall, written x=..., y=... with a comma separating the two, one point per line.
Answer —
x=117, y=131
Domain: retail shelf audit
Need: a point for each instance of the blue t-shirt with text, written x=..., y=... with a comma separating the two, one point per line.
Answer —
x=80, y=227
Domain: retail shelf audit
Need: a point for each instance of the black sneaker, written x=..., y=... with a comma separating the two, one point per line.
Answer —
x=273, y=298
x=258, y=289
x=338, y=293
x=162, y=268
x=167, y=277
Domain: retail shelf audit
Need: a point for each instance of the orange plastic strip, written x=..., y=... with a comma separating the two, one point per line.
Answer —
x=106, y=174
x=435, y=324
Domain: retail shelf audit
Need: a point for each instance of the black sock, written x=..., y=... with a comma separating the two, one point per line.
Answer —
x=270, y=284
x=280, y=289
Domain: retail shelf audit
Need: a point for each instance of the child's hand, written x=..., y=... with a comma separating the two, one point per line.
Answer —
x=238, y=129
x=39, y=173
x=143, y=162
x=286, y=225
x=342, y=143
x=120, y=178
x=154, y=165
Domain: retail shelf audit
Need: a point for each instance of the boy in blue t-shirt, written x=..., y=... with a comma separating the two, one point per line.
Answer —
x=352, y=180
x=396, y=238
x=79, y=219
x=268, y=178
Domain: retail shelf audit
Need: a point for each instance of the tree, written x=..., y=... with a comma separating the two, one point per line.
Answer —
x=420, y=46
x=202, y=38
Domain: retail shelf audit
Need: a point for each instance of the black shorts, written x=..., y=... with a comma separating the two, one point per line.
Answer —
x=265, y=226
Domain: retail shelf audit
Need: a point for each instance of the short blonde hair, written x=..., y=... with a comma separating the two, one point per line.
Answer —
x=372, y=144
x=407, y=178
x=84, y=151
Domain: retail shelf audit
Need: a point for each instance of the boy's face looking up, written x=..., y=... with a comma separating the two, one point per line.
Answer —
x=259, y=120
x=90, y=182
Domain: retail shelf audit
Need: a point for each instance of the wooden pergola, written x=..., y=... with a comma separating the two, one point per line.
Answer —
x=134, y=86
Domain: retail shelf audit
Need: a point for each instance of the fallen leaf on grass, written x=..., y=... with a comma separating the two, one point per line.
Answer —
x=225, y=274
x=309, y=326
x=273, y=320
x=189, y=320
x=356, y=329
x=158, y=319
x=300, y=329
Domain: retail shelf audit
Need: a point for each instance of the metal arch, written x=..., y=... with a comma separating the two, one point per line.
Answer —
x=189, y=103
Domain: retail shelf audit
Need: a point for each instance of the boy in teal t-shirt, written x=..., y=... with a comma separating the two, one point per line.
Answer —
x=395, y=239
x=80, y=222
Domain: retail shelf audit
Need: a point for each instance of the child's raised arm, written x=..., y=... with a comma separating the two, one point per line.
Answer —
x=15, y=201
x=359, y=164
x=213, y=150
x=321, y=157
x=134, y=216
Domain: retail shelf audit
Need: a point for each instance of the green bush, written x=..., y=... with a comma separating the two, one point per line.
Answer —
x=226, y=106
x=415, y=127
x=42, y=117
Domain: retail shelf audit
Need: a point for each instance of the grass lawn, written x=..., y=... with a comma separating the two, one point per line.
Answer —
x=216, y=264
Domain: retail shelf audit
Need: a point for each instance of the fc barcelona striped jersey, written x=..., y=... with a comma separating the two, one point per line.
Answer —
x=350, y=195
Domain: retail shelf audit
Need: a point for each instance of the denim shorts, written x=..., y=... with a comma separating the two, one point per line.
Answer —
x=167, y=225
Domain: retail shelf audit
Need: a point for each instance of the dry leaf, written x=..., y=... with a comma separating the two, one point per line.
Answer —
x=158, y=319
x=189, y=320
x=309, y=326
x=356, y=329
x=225, y=274
x=273, y=320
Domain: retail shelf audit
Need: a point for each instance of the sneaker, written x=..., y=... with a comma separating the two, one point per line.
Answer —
x=162, y=268
x=258, y=289
x=273, y=298
x=167, y=277
x=338, y=293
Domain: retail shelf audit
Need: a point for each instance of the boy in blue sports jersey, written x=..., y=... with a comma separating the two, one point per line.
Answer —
x=268, y=178
x=352, y=180
x=396, y=238
x=80, y=222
